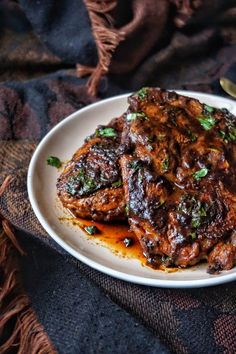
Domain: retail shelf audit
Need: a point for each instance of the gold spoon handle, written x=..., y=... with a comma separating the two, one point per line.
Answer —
x=228, y=86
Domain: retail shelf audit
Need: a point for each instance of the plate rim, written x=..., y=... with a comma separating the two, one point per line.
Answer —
x=164, y=283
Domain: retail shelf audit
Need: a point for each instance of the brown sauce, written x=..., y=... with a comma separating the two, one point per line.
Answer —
x=112, y=236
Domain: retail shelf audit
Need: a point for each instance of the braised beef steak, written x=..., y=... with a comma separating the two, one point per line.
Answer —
x=169, y=164
x=91, y=183
x=178, y=168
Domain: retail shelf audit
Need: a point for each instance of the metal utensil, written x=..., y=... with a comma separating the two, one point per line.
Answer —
x=228, y=86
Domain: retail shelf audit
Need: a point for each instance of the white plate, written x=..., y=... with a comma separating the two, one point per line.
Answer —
x=62, y=141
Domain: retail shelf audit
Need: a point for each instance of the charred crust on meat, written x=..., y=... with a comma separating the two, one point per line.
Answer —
x=168, y=165
x=181, y=190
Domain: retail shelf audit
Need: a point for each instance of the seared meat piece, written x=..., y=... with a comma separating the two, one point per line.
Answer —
x=178, y=169
x=91, y=184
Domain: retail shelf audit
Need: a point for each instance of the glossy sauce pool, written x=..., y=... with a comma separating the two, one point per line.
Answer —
x=112, y=236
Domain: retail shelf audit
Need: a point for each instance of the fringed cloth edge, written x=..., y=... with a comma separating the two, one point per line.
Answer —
x=106, y=38
x=20, y=330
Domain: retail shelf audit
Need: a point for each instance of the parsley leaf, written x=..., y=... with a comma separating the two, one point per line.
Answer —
x=192, y=136
x=133, y=116
x=196, y=222
x=92, y=230
x=54, y=161
x=200, y=173
x=195, y=209
x=127, y=209
x=134, y=165
x=208, y=108
x=117, y=183
x=81, y=184
x=166, y=259
x=165, y=164
x=230, y=136
x=142, y=93
x=207, y=122
x=193, y=235
x=106, y=132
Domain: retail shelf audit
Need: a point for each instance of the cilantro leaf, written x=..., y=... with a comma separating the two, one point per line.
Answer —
x=194, y=208
x=54, y=161
x=208, y=108
x=81, y=184
x=92, y=230
x=207, y=122
x=200, y=173
x=134, y=165
x=193, y=235
x=133, y=116
x=196, y=222
x=192, y=136
x=230, y=136
x=142, y=93
x=117, y=183
x=106, y=132
x=165, y=164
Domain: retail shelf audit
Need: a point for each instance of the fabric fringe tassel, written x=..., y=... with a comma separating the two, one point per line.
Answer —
x=20, y=331
x=106, y=37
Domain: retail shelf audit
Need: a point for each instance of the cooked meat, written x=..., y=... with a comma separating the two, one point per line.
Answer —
x=178, y=169
x=91, y=184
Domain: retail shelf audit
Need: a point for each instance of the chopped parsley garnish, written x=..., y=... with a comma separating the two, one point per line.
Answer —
x=54, y=161
x=165, y=259
x=196, y=222
x=106, y=132
x=142, y=93
x=195, y=209
x=207, y=122
x=133, y=116
x=165, y=164
x=127, y=209
x=200, y=174
x=208, y=108
x=117, y=183
x=192, y=136
x=197, y=214
x=193, y=235
x=92, y=230
x=128, y=241
x=81, y=184
x=230, y=136
x=134, y=165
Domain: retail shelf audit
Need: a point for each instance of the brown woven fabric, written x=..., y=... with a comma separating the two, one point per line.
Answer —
x=20, y=330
